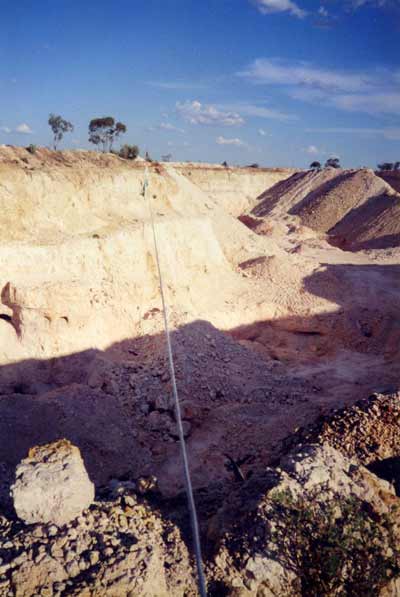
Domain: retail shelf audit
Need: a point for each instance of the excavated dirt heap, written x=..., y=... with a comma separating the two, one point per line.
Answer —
x=368, y=431
x=356, y=208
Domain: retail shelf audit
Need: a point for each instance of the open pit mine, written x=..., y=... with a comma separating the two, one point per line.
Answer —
x=283, y=288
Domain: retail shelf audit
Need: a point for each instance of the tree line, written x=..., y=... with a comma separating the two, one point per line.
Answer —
x=103, y=133
x=334, y=163
x=330, y=163
x=389, y=166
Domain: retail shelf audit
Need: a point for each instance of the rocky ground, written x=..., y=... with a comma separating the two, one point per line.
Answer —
x=319, y=522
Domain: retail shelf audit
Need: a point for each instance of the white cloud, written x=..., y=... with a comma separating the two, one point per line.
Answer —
x=378, y=3
x=259, y=111
x=274, y=6
x=24, y=129
x=391, y=133
x=374, y=92
x=196, y=113
x=323, y=12
x=5, y=129
x=372, y=101
x=224, y=141
x=386, y=102
x=279, y=72
x=167, y=126
x=312, y=150
x=262, y=133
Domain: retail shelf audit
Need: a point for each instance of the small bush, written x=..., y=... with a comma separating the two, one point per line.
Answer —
x=129, y=152
x=315, y=166
x=340, y=548
x=31, y=148
x=332, y=163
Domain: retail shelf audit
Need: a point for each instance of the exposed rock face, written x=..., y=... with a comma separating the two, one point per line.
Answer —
x=52, y=485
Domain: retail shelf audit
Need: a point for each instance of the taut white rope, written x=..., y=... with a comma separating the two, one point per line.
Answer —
x=188, y=482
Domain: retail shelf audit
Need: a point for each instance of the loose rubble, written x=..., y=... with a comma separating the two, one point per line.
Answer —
x=118, y=546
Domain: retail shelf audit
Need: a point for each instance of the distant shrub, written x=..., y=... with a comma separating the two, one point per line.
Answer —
x=147, y=157
x=332, y=163
x=129, y=152
x=389, y=166
x=253, y=166
x=315, y=166
x=31, y=148
x=224, y=164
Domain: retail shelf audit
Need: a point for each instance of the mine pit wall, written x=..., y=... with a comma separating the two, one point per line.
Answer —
x=77, y=267
x=89, y=293
x=235, y=189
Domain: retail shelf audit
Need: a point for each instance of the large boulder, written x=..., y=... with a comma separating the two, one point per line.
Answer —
x=52, y=485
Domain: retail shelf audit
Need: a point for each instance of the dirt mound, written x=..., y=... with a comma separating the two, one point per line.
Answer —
x=356, y=208
x=392, y=177
x=373, y=225
x=279, y=199
x=367, y=432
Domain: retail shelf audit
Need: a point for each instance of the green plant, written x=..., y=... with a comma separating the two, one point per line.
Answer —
x=332, y=163
x=59, y=126
x=31, y=148
x=104, y=131
x=389, y=166
x=338, y=548
x=315, y=166
x=129, y=152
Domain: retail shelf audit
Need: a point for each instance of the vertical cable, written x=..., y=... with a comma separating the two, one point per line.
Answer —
x=188, y=482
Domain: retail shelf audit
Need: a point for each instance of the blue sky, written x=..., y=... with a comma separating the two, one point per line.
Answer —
x=279, y=82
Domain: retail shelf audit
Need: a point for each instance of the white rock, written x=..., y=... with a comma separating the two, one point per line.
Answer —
x=52, y=485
